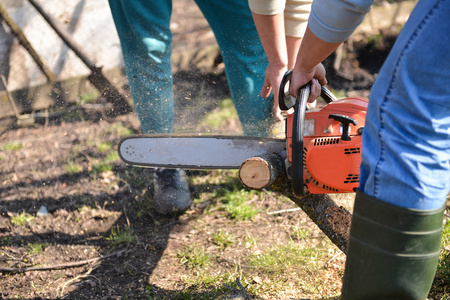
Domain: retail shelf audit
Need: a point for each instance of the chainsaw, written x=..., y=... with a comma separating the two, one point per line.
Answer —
x=321, y=149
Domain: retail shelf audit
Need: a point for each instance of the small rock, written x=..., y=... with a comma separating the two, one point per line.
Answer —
x=42, y=212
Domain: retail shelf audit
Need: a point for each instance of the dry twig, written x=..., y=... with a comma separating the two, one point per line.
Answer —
x=61, y=266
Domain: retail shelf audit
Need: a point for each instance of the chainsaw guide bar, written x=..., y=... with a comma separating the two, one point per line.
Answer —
x=195, y=152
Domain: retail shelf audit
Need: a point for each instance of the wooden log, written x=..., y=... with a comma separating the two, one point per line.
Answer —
x=268, y=170
x=333, y=220
x=261, y=171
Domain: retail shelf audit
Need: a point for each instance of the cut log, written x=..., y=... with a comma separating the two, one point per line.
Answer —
x=261, y=171
x=269, y=170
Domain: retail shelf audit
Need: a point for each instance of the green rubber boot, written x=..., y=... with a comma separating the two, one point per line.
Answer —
x=393, y=252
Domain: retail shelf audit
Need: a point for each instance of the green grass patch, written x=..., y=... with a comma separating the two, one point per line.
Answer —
x=120, y=129
x=73, y=168
x=21, y=219
x=220, y=116
x=223, y=239
x=105, y=164
x=235, y=203
x=36, y=248
x=285, y=257
x=298, y=233
x=194, y=256
x=103, y=147
x=441, y=285
x=120, y=236
x=11, y=147
x=101, y=167
x=91, y=97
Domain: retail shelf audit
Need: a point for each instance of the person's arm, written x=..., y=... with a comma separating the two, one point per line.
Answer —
x=271, y=32
x=281, y=25
x=308, y=65
x=329, y=24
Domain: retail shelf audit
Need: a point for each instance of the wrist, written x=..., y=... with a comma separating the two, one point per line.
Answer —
x=279, y=62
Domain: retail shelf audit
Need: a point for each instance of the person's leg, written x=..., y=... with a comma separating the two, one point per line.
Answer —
x=405, y=172
x=144, y=31
x=244, y=58
x=406, y=140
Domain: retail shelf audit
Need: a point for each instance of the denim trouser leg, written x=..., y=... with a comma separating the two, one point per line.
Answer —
x=244, y=58
x=406, y=140
x=143, y=28
x=144, y=31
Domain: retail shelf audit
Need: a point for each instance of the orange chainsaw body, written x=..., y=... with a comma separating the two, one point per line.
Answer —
x=331, y=163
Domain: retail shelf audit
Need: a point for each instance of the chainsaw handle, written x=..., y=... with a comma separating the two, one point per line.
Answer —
x=327, y=95
x=286, y=101
x=297, y=140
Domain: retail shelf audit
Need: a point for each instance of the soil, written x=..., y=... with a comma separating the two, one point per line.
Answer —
x=84, y=207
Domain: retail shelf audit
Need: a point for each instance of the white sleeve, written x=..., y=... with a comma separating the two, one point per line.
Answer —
x=266, y=7
x=296, y=16
x=335, y=20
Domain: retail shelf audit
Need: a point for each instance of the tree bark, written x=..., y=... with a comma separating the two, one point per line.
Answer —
x=268, y=170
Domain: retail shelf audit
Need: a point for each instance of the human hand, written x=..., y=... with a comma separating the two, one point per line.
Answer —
x=272, y=81
x=301, y=77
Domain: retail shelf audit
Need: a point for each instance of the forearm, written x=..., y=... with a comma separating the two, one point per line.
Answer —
x=271, y=32
x=313, y=51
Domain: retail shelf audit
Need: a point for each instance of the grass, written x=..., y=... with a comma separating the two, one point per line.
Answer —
x=36, y=248
x=223, y=239
x=120, y=129
x=91, y=97
x=73, y=168
x=21, y=219
x=441, y=284
x=221, y=115
x=235, y=203
x=105, y=164
x=11, y=147
x=285, y=257
x=194, y=256
x=121, y=236
x=104, y=147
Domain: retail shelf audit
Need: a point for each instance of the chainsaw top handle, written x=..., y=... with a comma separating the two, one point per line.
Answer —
x=286, y=102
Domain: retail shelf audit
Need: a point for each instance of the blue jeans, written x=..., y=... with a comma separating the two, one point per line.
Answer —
x=406, y=139
x=145, y=36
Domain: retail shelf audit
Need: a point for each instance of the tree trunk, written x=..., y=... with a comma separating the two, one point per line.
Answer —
x=268, y=170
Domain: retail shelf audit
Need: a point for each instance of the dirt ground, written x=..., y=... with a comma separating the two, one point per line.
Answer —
x=85, y=207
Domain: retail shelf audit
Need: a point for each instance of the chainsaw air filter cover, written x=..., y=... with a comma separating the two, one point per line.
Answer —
x=331, y=145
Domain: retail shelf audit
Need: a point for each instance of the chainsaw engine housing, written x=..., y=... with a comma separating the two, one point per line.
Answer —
x=332, y=143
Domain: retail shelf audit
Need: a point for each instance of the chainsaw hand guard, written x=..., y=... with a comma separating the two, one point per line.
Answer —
x=297, y=140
